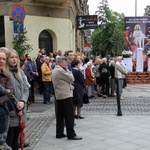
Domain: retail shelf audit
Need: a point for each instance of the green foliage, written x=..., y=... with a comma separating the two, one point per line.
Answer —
x=108, y=38
x=20, y=41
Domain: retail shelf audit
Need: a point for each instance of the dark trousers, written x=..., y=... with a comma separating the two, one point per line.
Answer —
x=40, y=83
x=3, y=120
x=31, y=91
x=105, y=87
x=12, y=137
x=47, y=91
x=65, y=111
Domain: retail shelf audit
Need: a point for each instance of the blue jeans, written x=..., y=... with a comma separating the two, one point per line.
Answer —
x=47, y=91
x=3, y=120
x=90, y=90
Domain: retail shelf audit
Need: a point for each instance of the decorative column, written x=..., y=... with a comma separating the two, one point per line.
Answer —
x=139, y=60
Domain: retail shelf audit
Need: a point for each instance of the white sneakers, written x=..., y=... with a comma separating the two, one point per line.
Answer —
x=122, y=98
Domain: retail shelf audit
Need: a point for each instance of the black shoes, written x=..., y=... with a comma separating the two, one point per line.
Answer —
x=61, y=136
x=79, y=117
x=91, y=97
x=64, y=135
x=75, y=138
x=76, y=116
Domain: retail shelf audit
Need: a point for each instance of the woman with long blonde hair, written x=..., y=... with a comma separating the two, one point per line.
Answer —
x=21, y=92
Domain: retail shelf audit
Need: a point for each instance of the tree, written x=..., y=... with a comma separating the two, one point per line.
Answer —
x=108, y=38
x=20, y=41
x=147, y=11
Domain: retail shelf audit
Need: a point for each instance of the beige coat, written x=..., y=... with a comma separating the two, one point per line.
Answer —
x=62, y=80
x=119, y=71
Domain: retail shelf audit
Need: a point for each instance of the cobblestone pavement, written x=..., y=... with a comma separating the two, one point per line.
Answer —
x=137, y=102
x=134, y=105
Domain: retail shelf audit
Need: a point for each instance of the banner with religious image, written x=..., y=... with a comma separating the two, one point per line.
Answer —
x=138, y=29
x=136, y=37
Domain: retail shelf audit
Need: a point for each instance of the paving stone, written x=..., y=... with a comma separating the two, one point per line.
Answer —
x=137, y=102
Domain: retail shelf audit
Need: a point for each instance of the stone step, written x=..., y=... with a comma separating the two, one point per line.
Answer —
x=138, y=78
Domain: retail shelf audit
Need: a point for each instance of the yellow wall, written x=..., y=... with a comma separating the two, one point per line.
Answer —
x=61, y=30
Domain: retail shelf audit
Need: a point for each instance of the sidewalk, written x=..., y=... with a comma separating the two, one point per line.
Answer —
x=102, y=129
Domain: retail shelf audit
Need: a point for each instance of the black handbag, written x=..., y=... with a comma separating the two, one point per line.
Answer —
x=11, y=105
x=85, y=98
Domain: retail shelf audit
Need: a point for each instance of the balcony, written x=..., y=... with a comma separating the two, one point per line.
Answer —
x=53, y=1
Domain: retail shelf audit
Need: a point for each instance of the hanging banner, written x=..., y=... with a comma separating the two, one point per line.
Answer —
x=136, y=37
x=136, y=29
x=87, y=22
x=134, y=22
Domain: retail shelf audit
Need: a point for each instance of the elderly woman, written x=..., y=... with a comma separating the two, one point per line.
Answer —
x=78, y=85
x=98, y=61
x=5, y=91
x=89, y=81
x=21, y=92
x=105, y=74
x=112, y=79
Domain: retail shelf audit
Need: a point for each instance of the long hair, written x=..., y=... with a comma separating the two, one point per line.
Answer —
x=17, y=66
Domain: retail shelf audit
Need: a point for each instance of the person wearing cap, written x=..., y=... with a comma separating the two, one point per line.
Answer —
x=62, y=79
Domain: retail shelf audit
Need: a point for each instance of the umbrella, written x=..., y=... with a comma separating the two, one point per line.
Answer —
x=22, y=134
x=22, y=125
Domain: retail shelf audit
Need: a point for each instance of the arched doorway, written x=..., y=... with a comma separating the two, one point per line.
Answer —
x=46, y=41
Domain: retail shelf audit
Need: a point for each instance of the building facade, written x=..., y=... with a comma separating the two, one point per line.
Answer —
x=50, y=24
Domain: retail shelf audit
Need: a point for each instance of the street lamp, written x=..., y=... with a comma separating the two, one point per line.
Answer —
x=135, y=8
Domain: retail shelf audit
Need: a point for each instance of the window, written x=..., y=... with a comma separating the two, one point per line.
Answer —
x=46, y=41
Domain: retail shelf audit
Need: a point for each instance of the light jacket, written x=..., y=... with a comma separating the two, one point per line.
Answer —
x=21, y=92
x=119, y=71
x=62, y=80
x=46, y=72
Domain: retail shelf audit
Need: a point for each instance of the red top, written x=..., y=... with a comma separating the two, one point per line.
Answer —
x=89, y=77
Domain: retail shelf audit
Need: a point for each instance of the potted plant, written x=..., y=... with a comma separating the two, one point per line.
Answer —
x=127, y=53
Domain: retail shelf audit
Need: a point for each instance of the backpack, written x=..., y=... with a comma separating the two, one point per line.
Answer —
x=105, y=72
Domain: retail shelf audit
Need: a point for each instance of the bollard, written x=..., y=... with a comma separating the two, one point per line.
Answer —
x=119, y=113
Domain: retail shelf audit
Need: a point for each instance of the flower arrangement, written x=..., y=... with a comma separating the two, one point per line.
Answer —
x=127, y=53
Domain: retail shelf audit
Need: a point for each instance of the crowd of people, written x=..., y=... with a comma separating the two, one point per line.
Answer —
x=58, y=74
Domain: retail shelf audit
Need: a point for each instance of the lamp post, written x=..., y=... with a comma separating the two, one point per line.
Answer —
x=135, y=8
x=119, y=112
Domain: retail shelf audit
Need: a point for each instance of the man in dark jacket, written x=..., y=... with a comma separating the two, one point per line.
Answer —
x=39, y=63
x=31, y=68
